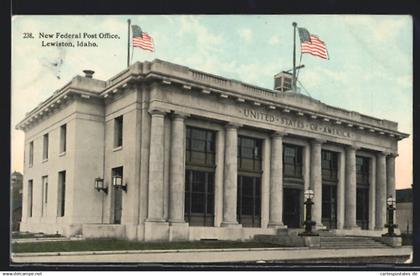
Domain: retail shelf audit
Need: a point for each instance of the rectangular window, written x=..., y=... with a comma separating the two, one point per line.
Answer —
x=44, y=197
x=329, y=165
x=249, y=154
x=292, y=161
x=63, y=138
x=249, y=200
x=362, y=171
x=31, y=153
x=118, y=132
x=199, y=198
x=199, y=177
x=30, y=196
x=362, y=191
x=61, y=193
x=200, y=147
x=45, y=148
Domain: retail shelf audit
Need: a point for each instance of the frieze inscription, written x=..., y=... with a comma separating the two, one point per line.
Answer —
x=288, y=121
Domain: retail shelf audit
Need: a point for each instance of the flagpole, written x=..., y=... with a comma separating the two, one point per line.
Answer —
x=128, y=43
x=294, y=57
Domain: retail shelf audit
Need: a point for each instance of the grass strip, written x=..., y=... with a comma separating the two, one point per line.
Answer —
x=117, y=245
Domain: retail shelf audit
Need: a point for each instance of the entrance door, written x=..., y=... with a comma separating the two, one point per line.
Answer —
x=362, y=205
x=117, y=206
x=291, y=207
x=329, y=206
x=117, y=193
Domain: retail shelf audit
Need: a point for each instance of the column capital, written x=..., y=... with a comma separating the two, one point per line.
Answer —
x=233, y=126
x=316, y=141
x=382, y=154
x=352, y=147
x=179, y=115
x=278, y=134
x=392, y=154
x=157, y=111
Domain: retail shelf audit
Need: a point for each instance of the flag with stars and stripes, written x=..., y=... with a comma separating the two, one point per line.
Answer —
x=311, y=44
x=142, y=39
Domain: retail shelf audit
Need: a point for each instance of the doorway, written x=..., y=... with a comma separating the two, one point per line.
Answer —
x=362, y=207
x=292, y=207
x=117, y=200
x=329, y=206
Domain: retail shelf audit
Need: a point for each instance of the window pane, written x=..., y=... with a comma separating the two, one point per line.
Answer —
x=247, y=205
x=198, y=157
x=198, y=145
x=198, y=134
x=198, y=182
x=210, y=204
x=247, y=186
x=197, y=202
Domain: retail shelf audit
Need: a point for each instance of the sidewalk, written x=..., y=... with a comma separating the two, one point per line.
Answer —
x=205, y=255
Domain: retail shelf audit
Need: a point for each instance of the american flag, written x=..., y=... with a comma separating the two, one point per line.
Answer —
x=311, y=44
x=142, y=39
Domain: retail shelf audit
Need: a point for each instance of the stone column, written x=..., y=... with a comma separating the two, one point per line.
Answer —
x=341, y=189
x=230, y=176
x=276, y=181
x=316, y=181
x=390, y=174
x=381, y=186
x=177, y=170
x=155, y=191
x=350, y=193
x=372, y=192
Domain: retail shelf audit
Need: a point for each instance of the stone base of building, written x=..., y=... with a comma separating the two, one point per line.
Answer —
x=164, y=231
x=178, y=231
x=156, y=231
x=96, y=230
x=67, y=230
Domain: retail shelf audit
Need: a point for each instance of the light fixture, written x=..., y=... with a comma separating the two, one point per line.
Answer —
x=117, y=182
x=100, y=185
x=309, y=194
x=390, y=200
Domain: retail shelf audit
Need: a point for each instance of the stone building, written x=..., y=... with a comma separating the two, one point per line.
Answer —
x=179, y=154
x=16, y=181
x=404, y=212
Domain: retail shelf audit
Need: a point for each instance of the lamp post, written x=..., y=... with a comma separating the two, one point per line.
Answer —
x=390, y=202
x=100, y=185
x=309, y=195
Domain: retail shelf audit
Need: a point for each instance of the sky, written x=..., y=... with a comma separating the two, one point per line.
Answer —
x=369, y=70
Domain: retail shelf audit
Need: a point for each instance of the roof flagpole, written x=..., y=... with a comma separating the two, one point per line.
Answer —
x=294, y=57
x=128, y=43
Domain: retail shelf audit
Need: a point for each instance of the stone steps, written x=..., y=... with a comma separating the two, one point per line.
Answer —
x=350, y=242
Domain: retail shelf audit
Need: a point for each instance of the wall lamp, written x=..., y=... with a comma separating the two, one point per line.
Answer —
x=100, y=185
x=118, y=183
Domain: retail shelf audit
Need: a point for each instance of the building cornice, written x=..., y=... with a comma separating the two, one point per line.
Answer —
x=77, y=87
x=194, y=81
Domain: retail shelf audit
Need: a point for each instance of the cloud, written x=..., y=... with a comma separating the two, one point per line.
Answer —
x=274, y=40
x=245, y=34
x=205, y=41
x=382, y=29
